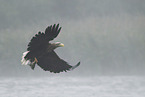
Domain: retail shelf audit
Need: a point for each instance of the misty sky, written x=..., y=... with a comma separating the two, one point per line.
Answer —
x=107, y=36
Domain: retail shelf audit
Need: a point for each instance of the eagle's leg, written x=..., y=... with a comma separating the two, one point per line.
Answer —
x=35, y=60
x=33, y=63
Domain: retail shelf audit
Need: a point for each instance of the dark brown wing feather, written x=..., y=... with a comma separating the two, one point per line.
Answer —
x=51, y=62
x=41, y=39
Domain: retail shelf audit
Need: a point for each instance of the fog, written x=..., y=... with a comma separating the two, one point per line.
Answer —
x=107, y=36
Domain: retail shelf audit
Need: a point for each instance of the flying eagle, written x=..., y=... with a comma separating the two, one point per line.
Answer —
x=41, y=52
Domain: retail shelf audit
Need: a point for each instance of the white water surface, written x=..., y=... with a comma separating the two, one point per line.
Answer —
x=99, y=86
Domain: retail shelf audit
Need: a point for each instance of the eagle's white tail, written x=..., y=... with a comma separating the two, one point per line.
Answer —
x=24, y=61
x=27, y=62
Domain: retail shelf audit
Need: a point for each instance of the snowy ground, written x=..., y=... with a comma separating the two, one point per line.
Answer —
x=120, y=86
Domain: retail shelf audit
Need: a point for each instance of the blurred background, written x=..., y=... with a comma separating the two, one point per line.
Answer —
x=107, y=36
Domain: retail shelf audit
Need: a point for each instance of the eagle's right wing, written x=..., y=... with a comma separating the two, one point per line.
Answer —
x=51, y=62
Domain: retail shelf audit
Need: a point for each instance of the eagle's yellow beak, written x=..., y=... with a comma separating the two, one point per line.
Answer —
x=61, y=45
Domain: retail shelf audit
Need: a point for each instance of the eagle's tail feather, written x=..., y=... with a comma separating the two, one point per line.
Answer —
x=24, y=61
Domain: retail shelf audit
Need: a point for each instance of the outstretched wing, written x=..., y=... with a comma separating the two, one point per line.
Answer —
x=41, y=39
x=51, y=62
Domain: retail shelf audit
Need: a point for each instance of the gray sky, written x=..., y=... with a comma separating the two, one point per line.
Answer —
x=107, y=36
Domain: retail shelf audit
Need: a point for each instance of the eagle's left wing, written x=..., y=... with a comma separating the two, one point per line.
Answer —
x=41, y=39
